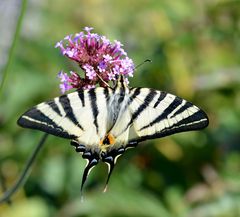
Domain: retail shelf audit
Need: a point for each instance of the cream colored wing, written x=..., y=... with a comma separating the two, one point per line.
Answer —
x=81, y=115
x=157, y=114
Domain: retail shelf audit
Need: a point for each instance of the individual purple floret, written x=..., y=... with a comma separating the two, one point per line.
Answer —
x=101, y=60
x=64, y=79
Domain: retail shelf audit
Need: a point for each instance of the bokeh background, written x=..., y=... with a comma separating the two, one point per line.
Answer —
x=195, y=51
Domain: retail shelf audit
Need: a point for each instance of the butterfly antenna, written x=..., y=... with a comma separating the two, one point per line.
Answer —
x=103, y=80
x=92, y=161
x=140, y=64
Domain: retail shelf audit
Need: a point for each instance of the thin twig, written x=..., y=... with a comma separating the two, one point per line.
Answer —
x=14, y=43
x=22, y=178
x=3, y=185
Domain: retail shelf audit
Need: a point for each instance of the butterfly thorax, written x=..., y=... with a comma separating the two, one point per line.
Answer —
x=116, y=103
x=116, y=107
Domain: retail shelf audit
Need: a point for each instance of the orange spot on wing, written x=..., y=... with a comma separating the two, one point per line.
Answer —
x=111, y=139
x=108, y=140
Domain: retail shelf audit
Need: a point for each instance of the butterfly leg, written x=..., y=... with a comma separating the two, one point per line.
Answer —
x=110, y=158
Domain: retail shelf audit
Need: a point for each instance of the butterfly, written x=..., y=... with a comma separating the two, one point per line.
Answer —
x=103, y=122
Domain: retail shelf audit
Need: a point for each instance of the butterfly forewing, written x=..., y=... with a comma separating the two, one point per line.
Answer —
x=48, y=118
x=81, y=114
x=156, y=114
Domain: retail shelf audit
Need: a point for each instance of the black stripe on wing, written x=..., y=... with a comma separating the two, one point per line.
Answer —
x=147, y=100
x=65, y=102
x=196, y=121
x=186, y=106
x=35, y=119
x=174, y=104
x=106, y=94
x=161, y=97
x=136, y=92
x=81, y=97
x=94, y=107
x=54, y=107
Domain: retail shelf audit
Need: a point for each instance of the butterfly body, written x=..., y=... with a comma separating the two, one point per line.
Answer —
x=103, y=122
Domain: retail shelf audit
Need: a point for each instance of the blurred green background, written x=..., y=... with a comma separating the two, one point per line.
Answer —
x=195, y=51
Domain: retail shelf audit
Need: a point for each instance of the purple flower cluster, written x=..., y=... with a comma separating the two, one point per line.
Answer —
x=101, y=60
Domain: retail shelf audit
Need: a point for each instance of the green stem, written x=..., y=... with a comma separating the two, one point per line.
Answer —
x=23, y=176
x=13, y=46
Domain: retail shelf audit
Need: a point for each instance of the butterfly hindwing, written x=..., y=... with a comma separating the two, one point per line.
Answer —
x=157, y=114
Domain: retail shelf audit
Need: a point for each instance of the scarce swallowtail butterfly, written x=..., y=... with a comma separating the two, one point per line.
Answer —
x=103, y=122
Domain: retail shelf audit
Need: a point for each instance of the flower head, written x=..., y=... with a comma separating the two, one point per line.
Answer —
x=97, y=57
